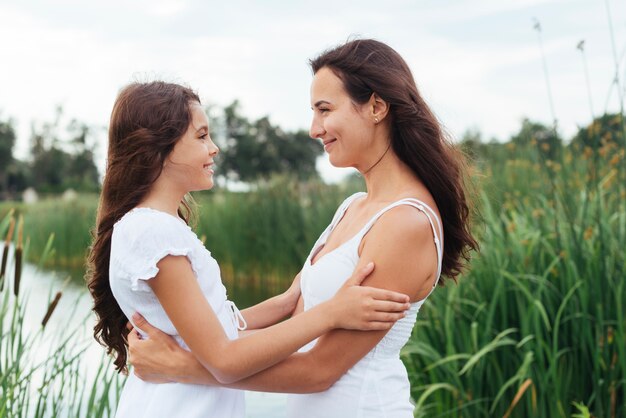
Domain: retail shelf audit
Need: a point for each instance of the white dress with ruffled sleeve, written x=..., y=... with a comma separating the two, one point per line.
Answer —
x=140, y=240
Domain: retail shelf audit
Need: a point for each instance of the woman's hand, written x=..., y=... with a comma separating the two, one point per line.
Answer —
x=155, y=358
x=366, y=308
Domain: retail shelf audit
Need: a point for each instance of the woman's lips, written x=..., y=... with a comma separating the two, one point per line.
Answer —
x=328, y=143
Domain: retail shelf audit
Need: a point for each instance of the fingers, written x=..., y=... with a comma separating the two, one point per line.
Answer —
x=133, y=337
x=390, y=295
x=141, y=323
x=387, y=306
x=390, y=317
x=358, y=277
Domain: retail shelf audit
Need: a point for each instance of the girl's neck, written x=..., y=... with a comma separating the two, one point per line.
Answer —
x=163, y=198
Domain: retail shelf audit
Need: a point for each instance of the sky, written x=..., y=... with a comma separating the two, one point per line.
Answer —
x=478, y=63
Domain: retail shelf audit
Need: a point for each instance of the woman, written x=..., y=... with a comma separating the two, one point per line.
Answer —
x=146, y=258
x=369, y=115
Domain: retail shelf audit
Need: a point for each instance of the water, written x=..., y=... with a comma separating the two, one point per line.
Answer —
x=72, y=312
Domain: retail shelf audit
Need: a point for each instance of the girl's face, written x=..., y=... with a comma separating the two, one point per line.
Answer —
x=190, y=165
x=346, y=129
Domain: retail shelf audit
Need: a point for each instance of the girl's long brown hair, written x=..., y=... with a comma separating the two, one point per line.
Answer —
x=146, y=122
x=367, y=66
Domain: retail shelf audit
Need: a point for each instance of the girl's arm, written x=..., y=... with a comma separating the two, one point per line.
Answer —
x=273, y=309
x=179, y=293
x=401, y=243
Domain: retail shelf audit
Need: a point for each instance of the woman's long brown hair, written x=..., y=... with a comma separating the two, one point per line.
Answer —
x=146, y=122
x=367, y=66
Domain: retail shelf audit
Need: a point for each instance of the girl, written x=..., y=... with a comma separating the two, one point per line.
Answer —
x=369, y=115
x=146, y=258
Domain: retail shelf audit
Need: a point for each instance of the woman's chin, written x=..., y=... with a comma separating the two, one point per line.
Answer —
x=337, y=162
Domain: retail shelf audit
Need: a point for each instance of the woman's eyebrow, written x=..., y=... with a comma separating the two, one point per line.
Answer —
x=320, y=102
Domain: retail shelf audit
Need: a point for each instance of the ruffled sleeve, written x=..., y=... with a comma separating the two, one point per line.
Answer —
x=145, y=238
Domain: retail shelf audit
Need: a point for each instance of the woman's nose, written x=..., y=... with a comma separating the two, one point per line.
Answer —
x=317, y=130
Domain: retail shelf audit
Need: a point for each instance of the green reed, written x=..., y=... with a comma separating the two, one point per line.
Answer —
x=69, y=222
x=41, y=383
x=536, y=326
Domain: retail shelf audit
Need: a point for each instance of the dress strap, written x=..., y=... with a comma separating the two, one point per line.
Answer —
x=343, y=208
x=236, y=317
x=425, y=209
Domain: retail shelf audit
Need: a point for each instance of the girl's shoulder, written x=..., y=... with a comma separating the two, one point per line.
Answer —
x=143, y=217
x=150, y=223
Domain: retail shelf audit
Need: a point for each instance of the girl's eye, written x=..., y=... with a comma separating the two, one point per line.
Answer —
x=205, y=136
x=323, y=110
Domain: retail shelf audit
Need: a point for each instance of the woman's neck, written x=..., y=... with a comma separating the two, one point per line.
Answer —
x=389, y=179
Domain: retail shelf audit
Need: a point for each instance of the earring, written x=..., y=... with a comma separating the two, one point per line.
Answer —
x=375, y=120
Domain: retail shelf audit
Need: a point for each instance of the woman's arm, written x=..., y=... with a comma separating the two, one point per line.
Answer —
x=180, y=295
x=401, y=244
x=273, y=309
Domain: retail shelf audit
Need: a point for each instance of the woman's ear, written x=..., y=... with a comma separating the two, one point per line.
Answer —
x=378, y=108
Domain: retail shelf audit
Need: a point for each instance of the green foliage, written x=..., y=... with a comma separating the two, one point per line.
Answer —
x=69, y=222
x=536, y=326
x=61, y=164
x=253, y=150
x=606, y=130
x=8, y=168
x=42, y=371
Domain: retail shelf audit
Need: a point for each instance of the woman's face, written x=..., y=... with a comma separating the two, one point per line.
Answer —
x=345, y=129
x=190, y=164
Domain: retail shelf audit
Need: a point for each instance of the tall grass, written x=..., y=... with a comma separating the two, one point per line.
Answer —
x=68, y=222
x=42, y=371
x=536, y=327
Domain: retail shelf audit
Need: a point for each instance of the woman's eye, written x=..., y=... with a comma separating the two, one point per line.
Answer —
x=205, y=136
x=322, y=110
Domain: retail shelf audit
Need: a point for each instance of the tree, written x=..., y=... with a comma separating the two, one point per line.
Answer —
x=7, y=162
x=543, y=137
x=258, y=149
x=61, y=164
x=604, y=130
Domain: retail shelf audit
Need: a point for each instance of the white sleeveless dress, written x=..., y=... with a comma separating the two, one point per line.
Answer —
x=140, y=239
x=377, y=386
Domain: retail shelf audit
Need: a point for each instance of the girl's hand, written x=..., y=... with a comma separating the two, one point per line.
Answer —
x=291, y=295
x=154, y=358
x=366, y=308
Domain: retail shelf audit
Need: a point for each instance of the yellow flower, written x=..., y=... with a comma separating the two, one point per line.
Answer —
x=588, y=233
x=545, y=146
x=615, y=159
x=603, y=151
x=537, y=213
